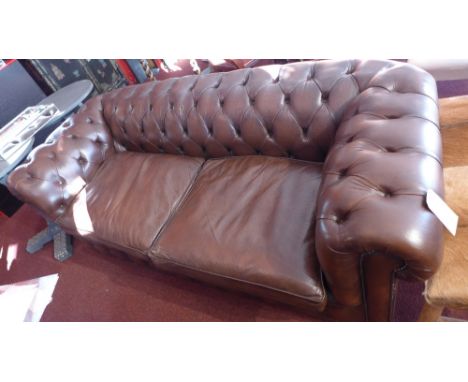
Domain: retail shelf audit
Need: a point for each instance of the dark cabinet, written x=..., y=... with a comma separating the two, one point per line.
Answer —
x=55, y=74
x=17, y=91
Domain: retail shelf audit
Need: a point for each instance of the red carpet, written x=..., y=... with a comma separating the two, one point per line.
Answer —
x=94, y=286
x=3, y=218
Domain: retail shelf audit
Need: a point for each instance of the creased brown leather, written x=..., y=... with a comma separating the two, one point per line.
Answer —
x=58, y=170
x=386, y=155
x=290, y=110
x=131, y=198
x=249, y=219
x=373, y=124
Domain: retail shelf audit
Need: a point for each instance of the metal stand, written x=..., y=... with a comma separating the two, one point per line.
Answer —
x=62, y=242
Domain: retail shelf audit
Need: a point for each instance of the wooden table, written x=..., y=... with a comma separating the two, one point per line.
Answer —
x=449, y=286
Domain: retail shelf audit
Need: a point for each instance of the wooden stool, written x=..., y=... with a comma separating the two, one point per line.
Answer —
x=449, y=286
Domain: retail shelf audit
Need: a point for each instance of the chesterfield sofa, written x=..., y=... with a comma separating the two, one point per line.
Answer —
x=303, y=183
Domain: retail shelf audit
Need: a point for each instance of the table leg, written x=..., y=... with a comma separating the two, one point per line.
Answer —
x=430, y=313
x=62, y=242
x=62, y=246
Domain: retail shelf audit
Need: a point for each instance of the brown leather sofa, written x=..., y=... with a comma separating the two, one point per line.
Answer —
x=303, y=183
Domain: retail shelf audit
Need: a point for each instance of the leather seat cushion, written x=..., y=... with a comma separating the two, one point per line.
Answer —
x=130, y=199
x=248, y=223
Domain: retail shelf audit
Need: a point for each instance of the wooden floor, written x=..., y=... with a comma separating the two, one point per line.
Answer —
x=449, y=281
x=454, y=128
x=453, y=111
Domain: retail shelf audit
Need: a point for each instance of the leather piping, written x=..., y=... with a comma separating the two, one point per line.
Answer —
x=176, y=208
x=166, y=260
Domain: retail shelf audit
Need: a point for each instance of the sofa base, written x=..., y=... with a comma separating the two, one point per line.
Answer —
x=332, y=311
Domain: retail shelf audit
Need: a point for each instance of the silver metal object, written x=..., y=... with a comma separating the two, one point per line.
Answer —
x=22, y=128
x=17, y=136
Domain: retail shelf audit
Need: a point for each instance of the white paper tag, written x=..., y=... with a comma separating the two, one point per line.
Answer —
x=440, y=209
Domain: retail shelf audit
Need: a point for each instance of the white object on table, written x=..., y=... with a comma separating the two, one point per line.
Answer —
x=17, y=136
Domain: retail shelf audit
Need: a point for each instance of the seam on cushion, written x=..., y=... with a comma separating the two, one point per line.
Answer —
x=239, y=157
x=189, y=189
x=176, y=208
x=146, y=253
x=101, y=166
x=318, y=302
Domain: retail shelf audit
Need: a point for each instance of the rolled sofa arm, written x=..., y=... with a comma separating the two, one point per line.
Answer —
x=55, y=172
x=385, y=157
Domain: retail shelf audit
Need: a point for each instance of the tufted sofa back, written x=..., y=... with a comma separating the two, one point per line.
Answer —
x=374, y=124
x=290, y=110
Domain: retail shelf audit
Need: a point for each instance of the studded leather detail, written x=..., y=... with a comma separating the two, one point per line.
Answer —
x=372, y=124
x=291, y=111
x=58, y=170
x=386, y=155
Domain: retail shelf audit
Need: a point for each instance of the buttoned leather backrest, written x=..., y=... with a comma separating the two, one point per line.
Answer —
x=56, y=171
x=290, y=110
x=374, y=124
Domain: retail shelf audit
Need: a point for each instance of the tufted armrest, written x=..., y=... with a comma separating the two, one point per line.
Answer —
x=58, y=170
x=385, y=157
